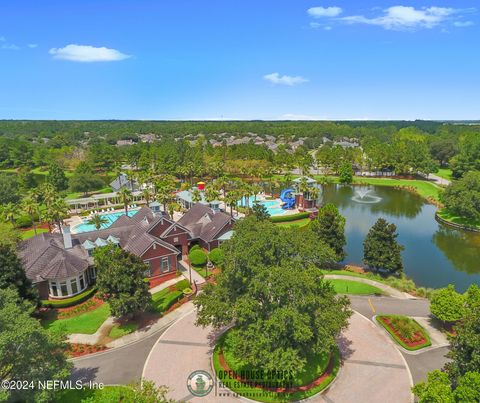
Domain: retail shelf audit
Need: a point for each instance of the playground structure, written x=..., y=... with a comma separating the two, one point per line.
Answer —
x=301, y=197
x=288, y=198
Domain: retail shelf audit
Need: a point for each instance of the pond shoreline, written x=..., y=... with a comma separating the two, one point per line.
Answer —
x=455, y=225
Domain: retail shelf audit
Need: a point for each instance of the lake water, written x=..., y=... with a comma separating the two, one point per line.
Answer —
x=435, y=255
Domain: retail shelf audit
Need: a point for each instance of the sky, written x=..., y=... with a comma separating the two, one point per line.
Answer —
x=231, y=59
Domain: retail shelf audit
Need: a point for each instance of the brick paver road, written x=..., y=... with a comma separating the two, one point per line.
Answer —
x=373, y=369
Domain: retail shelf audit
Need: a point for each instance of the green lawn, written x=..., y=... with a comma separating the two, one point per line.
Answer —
x=86, y=323
x=456, y=219
x=445, y=173
x=315, y=367
x=164, y=299
x=30, y=233
x=354, y=287
x=122, y=330
x=299, y=223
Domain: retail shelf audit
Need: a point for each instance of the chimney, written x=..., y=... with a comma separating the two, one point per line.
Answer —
x=67, y=237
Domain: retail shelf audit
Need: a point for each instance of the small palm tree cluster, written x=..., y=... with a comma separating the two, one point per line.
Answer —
x=42, y=204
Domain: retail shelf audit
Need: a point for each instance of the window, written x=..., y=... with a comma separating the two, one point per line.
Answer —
x=63, y=288
x=164, y=266
x=82, y=282
x=73, y=285
x=53, y=288
x=92, y=272
x=175, y=239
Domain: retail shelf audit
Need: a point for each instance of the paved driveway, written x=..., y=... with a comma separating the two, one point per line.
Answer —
x=373, y=371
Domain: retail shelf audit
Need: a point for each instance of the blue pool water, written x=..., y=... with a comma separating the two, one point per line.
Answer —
x=110, y=217
x=273, y=206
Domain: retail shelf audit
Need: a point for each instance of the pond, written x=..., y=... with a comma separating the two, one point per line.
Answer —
x=435, y=255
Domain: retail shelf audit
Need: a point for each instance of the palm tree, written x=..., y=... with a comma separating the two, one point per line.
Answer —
x=147, y=194
x=31, y=207
x=125, y=196
x=256, y=189
x=172, y=207
x=98, y=221
x=57, y=211
x=211, y=194
x=164, y=194
x=231, y=200
x=9, y=212
x=196, y=196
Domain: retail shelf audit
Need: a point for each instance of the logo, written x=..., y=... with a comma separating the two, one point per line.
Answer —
x=200, y=383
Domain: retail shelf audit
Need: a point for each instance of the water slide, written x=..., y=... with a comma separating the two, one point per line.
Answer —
x=287, y=198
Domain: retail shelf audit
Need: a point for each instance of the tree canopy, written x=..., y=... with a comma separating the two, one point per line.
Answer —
x=274, y=293
x=329, y=226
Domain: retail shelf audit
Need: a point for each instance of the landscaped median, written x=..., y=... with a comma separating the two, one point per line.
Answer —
x=406, y=331
x=277, y=385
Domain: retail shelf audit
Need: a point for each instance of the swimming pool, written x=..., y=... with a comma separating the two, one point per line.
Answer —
x=273, y=206
x=110, y=217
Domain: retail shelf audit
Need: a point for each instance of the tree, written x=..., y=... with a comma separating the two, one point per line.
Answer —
x=196, y=196
x=143, y=392
x=329, y=226
x=275, y=296
x=125, y=196
x=98, y=221
x=346, y=173
x=462, y=197
x=85, y=183
x=438, y=388
x=9, y=235
x=216, y=256
x=31, y=207
x=27, y=351
x=260, y=211
x=56, y=210
x=9, y=192
x=197, y=257
x=12, y=274
x=120, y=280
x=447, y=305
x=56, y=176
x=211, y=194
x=147, y=195
x=465, y=345
x=381, y=249
x=9, y=212
x=468, y=158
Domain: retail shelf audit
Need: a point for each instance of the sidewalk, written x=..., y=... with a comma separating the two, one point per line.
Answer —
x=94, y=338
x=392, y=292
x=196, y=278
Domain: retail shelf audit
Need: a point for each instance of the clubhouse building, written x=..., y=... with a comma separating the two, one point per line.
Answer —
x=61, y=265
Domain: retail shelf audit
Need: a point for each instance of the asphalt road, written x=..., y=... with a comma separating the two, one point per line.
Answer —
x=122, y=365
x=125, y=364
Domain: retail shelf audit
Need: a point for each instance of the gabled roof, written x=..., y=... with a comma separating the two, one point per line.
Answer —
x=202, y=222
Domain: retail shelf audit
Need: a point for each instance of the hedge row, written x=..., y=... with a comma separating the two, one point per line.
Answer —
x=290, y=217
x=65, y=303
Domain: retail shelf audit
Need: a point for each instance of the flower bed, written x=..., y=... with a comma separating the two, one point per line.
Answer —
x=405, y=331
x=89, y=305
x=77, y=350
x=318, y=373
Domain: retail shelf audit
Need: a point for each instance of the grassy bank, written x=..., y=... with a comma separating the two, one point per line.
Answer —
x=456, y=219
x=354, y=287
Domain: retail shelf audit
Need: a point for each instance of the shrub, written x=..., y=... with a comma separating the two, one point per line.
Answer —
x=447, y=305
x=216, y=256
x=181, y=285
x=198, y=257
x=65, y=303
x=290, y=217
x=24, y=221
x=195, y=247
x=187, y=291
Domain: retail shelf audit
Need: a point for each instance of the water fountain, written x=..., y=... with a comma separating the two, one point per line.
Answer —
x=362, y=195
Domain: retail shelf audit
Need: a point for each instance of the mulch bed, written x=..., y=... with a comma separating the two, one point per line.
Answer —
x=289, y=390
x=77, y=350
x=87, y=306
x=418, y=338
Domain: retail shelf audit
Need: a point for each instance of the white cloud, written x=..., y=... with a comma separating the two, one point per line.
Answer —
x=85, y=53
x=32, y=45
x=9, y=46
x=463, y=24
x=277, y=79
x=319, y=12
x=403, y=17
x=2, y=39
